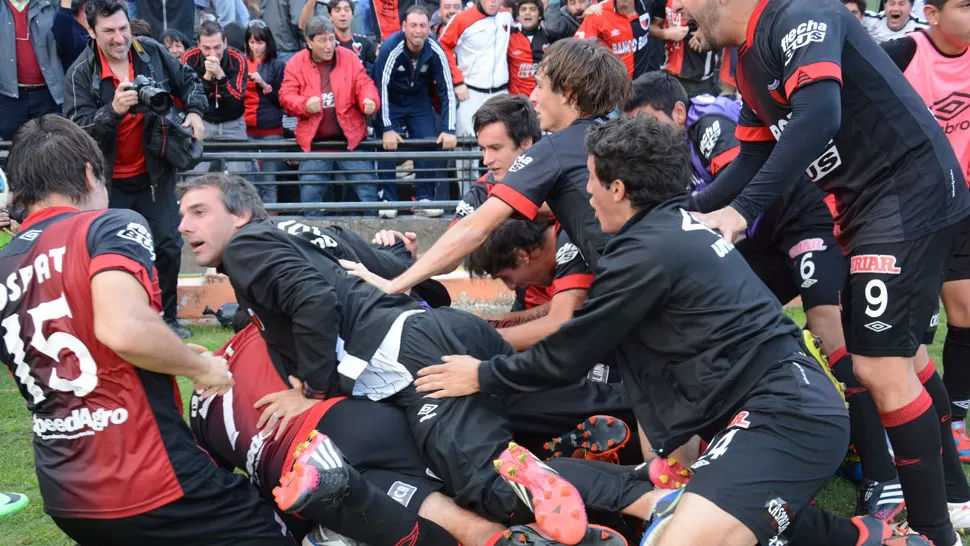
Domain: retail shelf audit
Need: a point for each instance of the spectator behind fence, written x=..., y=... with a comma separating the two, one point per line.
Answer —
x=328, y=90
x=31, y=73
x=176, y=43
x=224, y=74
x=140, y=28
x=231, y=11
x=857, y=7
x=408, y=67
x=283, y=19
x=162, y=16
x=564, y=20
x=101, y=99
x=894, y=22
x=447, y=9
x=264, y=114
x=527, y=44
x=70, y=31
x=342, y=15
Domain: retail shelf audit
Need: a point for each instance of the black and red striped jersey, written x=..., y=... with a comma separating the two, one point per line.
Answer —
x=890, y=167
x=526, y=49
x=109, y=438
x=680, y=59
x=626, y=35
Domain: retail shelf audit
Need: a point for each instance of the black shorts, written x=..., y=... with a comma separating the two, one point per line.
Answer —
x=223, y=510
x=798, y=263
x=891, y=292
x=782, y=446
x=959, y=269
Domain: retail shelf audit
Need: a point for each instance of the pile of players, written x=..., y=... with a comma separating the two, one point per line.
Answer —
x=359, y=403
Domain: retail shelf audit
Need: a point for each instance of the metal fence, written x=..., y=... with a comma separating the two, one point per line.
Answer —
x=274, y=163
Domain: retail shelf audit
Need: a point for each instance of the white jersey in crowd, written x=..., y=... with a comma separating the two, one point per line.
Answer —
x=480, y=44
x=876, y=25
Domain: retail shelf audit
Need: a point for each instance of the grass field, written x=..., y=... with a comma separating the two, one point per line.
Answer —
x=32, y=527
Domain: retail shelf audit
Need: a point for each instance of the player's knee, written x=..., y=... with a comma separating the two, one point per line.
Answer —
x=700, y=521
x=956, y=299
x=891, y=380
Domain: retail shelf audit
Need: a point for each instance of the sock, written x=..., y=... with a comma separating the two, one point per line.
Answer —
x=370, y=516
x=813, y=526
x=956, y=370
x=957, y=488
x=868, y=435
x=914, y=431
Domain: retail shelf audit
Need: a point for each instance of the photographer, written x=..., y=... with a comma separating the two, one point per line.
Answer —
x=101, y=98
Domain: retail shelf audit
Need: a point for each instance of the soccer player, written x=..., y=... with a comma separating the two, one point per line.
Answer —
x=340, y=335
x=822, y=98
x=704, y=349
x=578, y=82
x=794, y=253
x=936, y=61
x=115, y=461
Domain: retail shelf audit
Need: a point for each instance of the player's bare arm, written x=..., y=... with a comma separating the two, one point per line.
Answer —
x=457, y=243
x=561, y=307
x=518, y=317
x=126, y=323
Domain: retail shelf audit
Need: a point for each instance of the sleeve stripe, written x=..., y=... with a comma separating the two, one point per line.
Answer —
x=446, y=70
x=722, y=159
x=106, y=262
x=516, y=200
x=576, y=281
x=386, y=80
x=814, y=72
x=753, y=134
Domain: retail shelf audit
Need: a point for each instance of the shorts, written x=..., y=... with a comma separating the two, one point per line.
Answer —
x=223, y=510
x=959, y=269
x=800, y=263
x=782, y=446
x=891, y=292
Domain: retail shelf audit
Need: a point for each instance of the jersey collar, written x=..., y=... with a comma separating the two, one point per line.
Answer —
x=45, y=214
x=752, y=25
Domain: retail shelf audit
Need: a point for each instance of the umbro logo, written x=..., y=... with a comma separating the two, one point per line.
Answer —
x=951, y=107
x=878, y=326
x=808, y=283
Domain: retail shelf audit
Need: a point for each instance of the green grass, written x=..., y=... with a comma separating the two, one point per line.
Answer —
x=32, y=527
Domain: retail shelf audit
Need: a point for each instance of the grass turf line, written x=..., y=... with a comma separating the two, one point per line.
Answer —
x=32, y=527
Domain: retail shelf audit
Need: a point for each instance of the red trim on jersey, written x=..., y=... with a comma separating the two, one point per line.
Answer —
x=516, y=200
x=576, y=281
x=105, y=262
x=752, y=25
x=753, y=134
x=536, y=296
x=44, y=214
x=812, y=73
x=722, y=159
x=310, y=423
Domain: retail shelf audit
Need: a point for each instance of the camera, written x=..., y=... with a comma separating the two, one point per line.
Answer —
x=151, y=96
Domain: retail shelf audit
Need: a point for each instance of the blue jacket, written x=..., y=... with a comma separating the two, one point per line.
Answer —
x=40, y=18
x=71, y=37
x=407, y=90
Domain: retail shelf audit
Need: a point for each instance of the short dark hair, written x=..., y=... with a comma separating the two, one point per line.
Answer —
x=515, y=111
x=102, y=8
x=240, y=319
x=50, y=155
x=536, y=3
x=262, y=34
x=175, y=35
x=416, y=9
x=237, y=194
x=211, y=28
x=862, y=3
x=498, y=251
x=77, y=6
x=658, y=90
x=140, y=27
x=351, y=3
x=588, y=74
x=648, y=156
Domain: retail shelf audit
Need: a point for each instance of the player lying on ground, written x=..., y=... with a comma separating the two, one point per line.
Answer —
x=303, y=302
x=704, y=349
x=116, y=463
x=792, y=250
x=822, y=98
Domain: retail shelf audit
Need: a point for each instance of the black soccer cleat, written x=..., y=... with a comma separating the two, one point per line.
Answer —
x=530, y=535
x=319, y=474
x=598, y=438
x=881, y=500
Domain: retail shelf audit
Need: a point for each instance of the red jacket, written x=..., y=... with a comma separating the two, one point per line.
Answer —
x=350, y=84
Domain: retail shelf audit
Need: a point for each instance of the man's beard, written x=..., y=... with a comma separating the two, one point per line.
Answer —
x=708, y=20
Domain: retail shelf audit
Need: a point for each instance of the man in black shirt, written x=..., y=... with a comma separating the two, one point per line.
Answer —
x=704, y=349
x=342, y=15
x=822, y=98
x=577, y=82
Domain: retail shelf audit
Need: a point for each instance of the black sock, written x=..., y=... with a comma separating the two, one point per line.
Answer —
x=868, y=435
x=370, y=516
x=957, y=488
x=813, y=526
x=914, y=431
x=956, y=370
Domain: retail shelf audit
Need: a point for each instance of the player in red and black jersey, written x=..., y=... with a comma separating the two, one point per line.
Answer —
x=622, y=26
x=686, y=57
x=822, y=98
x=115, y=461
x=527, y=44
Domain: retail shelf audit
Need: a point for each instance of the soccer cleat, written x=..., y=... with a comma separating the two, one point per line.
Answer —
x=660, y=517
x=321, y=536
x=558, y=508
x=319, y=474
x=962, y=440
x=531, y=535
x=664, y=473
x=881, y=500
x=875, y=532
x=959, y=516
x=813, y=344
x=11, y=503
x=597, y=438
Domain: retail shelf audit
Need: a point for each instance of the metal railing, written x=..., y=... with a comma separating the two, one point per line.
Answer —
x=268, y=163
